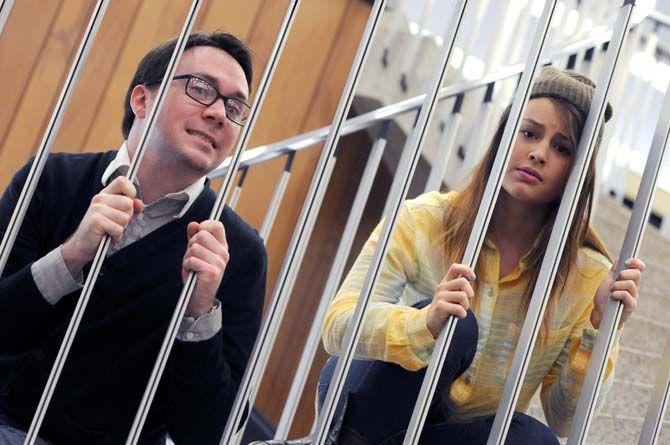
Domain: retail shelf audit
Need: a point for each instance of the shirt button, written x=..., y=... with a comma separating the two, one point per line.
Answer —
x=190, y=336
x=140, y=216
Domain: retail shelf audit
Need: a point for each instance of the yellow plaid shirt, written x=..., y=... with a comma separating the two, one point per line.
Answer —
x=395, y=332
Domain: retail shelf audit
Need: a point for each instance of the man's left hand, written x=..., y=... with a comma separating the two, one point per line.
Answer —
x=624, y=289
x=207, y=256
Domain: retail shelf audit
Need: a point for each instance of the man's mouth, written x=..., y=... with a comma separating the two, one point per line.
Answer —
x=205, y=137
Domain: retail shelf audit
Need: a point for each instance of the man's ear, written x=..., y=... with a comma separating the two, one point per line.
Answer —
x=140, y=101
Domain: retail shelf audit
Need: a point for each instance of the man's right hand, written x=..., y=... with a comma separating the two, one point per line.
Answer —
x=452, y=297
x=110, y=212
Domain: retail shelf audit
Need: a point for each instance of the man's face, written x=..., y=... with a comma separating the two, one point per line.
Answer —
x=199, y=136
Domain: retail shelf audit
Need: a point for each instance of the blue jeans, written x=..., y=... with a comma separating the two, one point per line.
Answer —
x=379, y=398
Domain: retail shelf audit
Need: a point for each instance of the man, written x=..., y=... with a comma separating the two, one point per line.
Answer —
x=157, y=240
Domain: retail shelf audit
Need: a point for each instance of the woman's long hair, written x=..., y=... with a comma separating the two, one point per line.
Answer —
x=460, y=216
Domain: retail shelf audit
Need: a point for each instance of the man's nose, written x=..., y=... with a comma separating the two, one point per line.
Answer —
x=216, y=112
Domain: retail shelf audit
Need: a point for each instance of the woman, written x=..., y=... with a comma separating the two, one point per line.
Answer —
x=422, y=284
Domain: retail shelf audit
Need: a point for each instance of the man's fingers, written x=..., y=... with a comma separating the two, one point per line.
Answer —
x=460, y=270
x=215, y=228
x=121, y=186
x=118, y=202
x=191, y=230
x=117, y=216
x=206, y=239
x=205, y=254
x=138, y=206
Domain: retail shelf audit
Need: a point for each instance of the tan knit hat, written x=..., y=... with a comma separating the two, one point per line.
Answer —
x=570, y=86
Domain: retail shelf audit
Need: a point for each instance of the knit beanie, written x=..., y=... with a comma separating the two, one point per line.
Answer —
x=570, y=86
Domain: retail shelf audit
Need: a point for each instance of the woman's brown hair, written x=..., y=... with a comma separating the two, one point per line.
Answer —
x=460, y=216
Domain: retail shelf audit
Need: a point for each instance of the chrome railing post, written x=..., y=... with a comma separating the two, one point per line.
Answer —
x=237, y=191
x=217, y=210
x=101, y=253
x=336, y=272
x=606, y=333
x=52, y=128
x=552, y=257
x=399, y=189
x=277, y=197
x=296, y=251
x=5, y=9
x=445, y=147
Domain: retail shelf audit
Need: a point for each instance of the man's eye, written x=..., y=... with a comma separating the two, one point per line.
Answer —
x=233, y=108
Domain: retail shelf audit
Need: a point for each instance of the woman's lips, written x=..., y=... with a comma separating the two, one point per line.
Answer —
x=527, y=175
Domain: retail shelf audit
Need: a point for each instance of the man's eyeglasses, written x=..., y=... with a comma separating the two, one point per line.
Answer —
x=206, y=94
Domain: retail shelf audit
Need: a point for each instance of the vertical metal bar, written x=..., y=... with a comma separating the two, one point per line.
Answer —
x=336, y=272
x=482, y=220
x=296, y=251
x=235, y=197
x=217, y=210
x=399, y=189
x=101, y=253
x=631, y=245
x=653, y=421
x=49, y=137
x=479, y=133
x=5, y=9
x=277, y=197
x=445, y=147
x=566, y=211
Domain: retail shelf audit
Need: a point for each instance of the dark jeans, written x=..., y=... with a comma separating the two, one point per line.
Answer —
x=380, y=397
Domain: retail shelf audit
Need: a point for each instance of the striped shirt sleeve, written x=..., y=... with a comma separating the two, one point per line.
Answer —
x=562, y=386
x=391, y=331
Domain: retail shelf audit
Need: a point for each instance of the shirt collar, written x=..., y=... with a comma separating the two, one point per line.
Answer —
x=120, y=165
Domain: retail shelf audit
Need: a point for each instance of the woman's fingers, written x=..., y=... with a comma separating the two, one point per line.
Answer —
x=457, y=297
x=460, y=270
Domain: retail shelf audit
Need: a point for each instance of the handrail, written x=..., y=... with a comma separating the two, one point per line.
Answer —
x=265, y=153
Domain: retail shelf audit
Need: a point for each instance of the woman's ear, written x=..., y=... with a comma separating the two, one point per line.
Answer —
x=140, y=101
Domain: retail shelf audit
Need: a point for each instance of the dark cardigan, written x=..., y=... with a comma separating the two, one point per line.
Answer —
x=118, y=341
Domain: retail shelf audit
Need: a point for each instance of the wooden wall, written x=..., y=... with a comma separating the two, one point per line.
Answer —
x=36, y=49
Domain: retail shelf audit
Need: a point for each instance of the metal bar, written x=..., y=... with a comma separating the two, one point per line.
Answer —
x=49, y=137
x=606, y=333
x=552, y=257
x=336, y=272
x=445, y=148
x=101, y=253
x=296, y=251
x=482, y=220
x=264, y=153
x=5, y=9
x=277, y=197
x=237, y=191
x=653, y=421
x=399, y=189
x=217, y=210
x=476, y=144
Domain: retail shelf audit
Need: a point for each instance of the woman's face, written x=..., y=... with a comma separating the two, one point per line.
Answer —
x=542, y=156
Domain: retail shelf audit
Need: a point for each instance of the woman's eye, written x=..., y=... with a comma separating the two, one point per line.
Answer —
x=563, y=150
x=528, y=134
